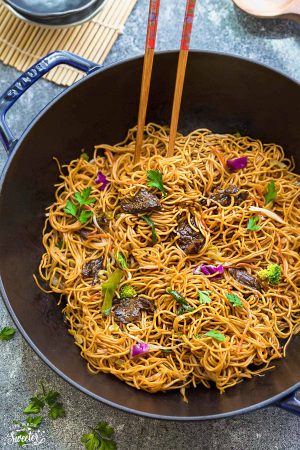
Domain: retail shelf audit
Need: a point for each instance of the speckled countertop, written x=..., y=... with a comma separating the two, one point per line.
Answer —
x=218, y=26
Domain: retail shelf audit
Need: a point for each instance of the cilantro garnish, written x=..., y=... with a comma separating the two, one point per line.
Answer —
x=77, y=210
x=152, y=225
x=101, y=437
x=7, y=333
x=154, y=179
x=234, y=300
x=204, y=297
x=271, y=193
x=252, y=224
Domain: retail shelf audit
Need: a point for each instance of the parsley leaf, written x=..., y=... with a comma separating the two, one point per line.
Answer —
x=101, y=438
x=215, y=334
x=84, y=216
x=56, y=410
x=35, y=405
x=234, y=300
x=154, y=179
x=7, y=333
x=121, y=260
x=71, y=209
x=271, y=193
x=152, y=225
x=51, y=397
x=90, y=441
x=23, y=437
x=83, y=198
x=252, y=224
x=105, y=429
x=34, y=422
x=204, y=297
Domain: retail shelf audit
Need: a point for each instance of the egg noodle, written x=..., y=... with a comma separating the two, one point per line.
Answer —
x=180, y=353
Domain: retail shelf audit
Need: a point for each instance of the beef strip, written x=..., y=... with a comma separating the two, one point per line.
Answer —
x=243, y=277
x=91, y=269
x=241, y=197
x=102, y=221
x=83, y=233
x=190, y=241
x=129, y=310
x=143, y=202
x=223, y=196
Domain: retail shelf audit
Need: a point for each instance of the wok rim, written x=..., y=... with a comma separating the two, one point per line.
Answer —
x=268, y=402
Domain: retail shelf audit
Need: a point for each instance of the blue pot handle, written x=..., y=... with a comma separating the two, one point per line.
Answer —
x=290, y=403
x=28, y=78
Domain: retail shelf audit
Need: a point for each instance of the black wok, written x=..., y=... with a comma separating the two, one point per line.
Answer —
x=224, y=93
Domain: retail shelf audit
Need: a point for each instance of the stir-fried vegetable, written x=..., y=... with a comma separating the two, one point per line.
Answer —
x=272, y=274
x=154, y=179
x=139, y=349
x=185, y=307
x=121, y=260
x=127, y=291
x=102, y=180
x=207, y=269
x=237, y=163
x=109, y=288
x=152, y=225
x=268, y=213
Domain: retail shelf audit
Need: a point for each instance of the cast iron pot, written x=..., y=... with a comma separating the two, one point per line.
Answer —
x=222, y=92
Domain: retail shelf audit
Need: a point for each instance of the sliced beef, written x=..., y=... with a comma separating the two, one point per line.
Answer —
x=190, y=241
x=143, y=202
x=91, y=269
x=223, y=196
x=241, y=197
x=243, y=277
x=83, y=233
x=102, y=221
x=129, y=310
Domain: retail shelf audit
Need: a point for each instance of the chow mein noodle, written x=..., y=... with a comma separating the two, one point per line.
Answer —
x=179, y=271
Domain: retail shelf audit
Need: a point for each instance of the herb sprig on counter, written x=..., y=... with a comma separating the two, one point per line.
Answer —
x=7, y=333
x=101, y=437
x=41, y=399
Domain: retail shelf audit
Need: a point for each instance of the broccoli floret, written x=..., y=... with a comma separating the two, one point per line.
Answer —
x=127, y=291
x=272, y=274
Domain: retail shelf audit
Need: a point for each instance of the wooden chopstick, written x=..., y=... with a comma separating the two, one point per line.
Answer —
x=181, y=68
x=146, y=77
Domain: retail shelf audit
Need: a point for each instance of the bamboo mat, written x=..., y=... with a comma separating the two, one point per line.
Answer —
x=22, y=44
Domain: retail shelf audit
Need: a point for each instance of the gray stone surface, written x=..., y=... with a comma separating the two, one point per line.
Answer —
x=218, y=26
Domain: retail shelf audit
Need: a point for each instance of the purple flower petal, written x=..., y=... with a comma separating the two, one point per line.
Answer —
x=238, y=163
x=139, y=349
x=208, y=269
x=101, y=179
